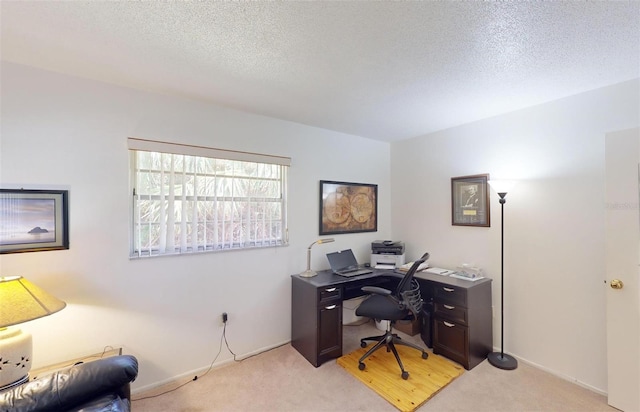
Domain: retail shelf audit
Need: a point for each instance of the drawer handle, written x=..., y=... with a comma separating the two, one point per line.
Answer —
x=449, y=307
x=330, y=290
x=448, y=289
x=448, y=324
x=330, y=307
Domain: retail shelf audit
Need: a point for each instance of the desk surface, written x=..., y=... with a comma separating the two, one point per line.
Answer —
x=328, y=278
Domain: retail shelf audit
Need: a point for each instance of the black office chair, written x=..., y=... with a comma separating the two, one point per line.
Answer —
x=403, y=304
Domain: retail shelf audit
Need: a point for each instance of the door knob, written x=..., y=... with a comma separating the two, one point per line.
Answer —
x=616, y=284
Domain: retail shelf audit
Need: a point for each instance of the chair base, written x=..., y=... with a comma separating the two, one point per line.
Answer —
x=388, y=340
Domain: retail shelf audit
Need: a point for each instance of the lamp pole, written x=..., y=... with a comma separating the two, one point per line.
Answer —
x=500, y=359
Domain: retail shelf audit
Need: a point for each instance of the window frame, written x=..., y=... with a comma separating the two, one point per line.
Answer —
x=176, y=243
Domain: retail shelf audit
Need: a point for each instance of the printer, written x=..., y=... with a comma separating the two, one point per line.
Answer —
x=387, y=247
x=387, y=254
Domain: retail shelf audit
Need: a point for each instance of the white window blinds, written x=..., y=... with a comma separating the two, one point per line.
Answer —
x=190, y=199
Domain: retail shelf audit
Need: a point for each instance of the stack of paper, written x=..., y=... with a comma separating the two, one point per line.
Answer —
x=407, y=266
x=440, y=271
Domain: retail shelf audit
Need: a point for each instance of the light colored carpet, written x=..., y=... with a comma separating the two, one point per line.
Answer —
x=282, y=380
x=382, y=374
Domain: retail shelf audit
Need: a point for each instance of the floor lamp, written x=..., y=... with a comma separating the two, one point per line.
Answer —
x=500, y=359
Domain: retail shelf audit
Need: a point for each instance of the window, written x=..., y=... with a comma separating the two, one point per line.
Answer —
x=190, y=199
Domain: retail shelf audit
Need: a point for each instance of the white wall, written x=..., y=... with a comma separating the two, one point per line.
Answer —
x=554, y=220
x=69, y=133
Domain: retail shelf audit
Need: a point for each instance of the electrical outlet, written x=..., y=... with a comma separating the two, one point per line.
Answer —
x=225, y=317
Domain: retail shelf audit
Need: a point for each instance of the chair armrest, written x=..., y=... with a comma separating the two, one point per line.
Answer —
x=377, y=290
x=70, y=387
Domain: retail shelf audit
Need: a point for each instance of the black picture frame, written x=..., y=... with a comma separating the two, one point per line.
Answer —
x=33, y=220
x=470, y=201
x=348, y=207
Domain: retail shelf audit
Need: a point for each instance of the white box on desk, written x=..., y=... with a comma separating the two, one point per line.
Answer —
x=349, y=310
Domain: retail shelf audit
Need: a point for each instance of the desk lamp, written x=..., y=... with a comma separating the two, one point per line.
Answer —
x=311, y=273
x=500, y=359
x=20, y=301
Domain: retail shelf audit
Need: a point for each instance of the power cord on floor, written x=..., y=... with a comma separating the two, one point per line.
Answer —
x=195, y=378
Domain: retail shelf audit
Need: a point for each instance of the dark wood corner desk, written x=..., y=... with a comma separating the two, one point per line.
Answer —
x=462, y=313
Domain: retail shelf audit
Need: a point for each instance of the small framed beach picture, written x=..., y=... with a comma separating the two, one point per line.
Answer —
x=33, y=220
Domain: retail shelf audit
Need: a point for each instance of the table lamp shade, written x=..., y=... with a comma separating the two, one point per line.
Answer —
x=20, y=301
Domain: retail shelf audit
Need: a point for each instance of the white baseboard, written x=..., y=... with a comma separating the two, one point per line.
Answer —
x=559, y=375
x=197, y=372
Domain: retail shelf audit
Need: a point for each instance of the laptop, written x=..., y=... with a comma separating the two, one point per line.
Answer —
x=344, y=263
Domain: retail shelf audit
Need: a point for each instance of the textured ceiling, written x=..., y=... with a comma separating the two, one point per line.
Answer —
x=383, y=70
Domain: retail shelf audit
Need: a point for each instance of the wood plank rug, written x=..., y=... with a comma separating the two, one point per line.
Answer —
x=382, y=374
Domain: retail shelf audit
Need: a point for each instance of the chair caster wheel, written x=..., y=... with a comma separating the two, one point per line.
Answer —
x=363, y=344
x=425, y=355
x=405, y=375
x=361, y=366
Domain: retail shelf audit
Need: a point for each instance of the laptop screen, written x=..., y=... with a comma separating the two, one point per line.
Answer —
x=342, y=260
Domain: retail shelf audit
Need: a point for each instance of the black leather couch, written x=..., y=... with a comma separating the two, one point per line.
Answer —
x=102, y=385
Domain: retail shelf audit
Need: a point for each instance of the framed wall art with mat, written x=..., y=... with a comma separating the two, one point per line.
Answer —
x=33, y=220
x=470, y=201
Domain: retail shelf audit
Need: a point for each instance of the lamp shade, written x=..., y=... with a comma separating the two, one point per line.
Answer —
x=502, y=186
x=321, y=241
x=21, y=301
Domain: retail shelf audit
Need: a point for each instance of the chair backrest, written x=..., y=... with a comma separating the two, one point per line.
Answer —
x=408, y=291
x=408, y=277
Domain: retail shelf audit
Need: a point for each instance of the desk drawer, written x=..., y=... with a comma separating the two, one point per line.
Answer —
x=452, y=341
x=451, y=294
x=454, y=313
x=330, y=294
